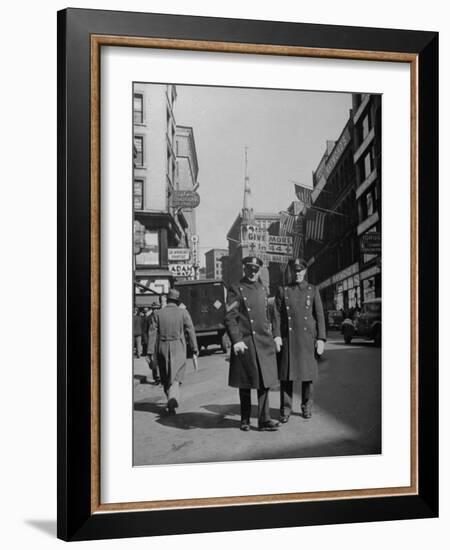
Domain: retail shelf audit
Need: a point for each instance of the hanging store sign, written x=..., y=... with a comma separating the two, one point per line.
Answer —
x=178, y=254
x=185, y=199
x=370, y=243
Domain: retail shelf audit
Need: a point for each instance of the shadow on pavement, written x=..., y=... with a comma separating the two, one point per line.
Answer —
x=187, y=420
x=234, y=409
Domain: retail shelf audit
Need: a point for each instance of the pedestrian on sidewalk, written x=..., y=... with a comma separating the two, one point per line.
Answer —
x=299, y=335
x=145, y=320
x=252, y=359
x=151, y=344
x=137, y=333
x=172, y=324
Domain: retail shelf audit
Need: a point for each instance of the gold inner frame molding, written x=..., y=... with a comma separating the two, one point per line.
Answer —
x=97, y=41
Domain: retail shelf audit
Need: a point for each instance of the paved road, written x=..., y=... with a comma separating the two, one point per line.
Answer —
x=346, y=416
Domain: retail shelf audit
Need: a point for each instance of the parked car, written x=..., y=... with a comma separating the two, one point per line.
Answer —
x=366, y=325
x=334, y=319
x=205, y=300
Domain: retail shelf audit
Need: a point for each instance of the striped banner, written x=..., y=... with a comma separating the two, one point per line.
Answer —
x=303, y=194
x=297, y=246
x=315, y=224
x=286, y=223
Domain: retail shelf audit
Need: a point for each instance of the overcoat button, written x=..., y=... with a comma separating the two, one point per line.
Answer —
x=305, y=328
x=251, y=321
x=306, y=318
x=290, y=328
x=254, y=332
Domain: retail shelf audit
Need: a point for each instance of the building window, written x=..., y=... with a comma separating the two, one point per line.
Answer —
x=150, y=251
x=369, y=202
x=367, y=165
x=139, y=150
x=138, y=108
x=138, y=194
x=365, y=127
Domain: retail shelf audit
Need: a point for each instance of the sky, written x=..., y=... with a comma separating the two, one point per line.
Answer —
x=285, y=132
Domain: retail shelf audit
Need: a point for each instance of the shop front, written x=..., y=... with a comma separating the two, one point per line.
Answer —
x=341, y=291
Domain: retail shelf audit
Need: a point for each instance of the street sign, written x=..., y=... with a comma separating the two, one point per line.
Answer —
x=278, y=239
x=273, y=258
x=265, y=247
x=185, y=199
x=178, y=254
x=182, y=270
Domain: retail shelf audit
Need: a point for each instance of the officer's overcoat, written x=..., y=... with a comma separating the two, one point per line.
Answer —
x=172, y=323
x=246, y=321
x=299, y=320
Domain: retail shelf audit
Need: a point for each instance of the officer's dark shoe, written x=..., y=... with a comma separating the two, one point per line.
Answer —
x=306, y=413
x=172, y=403
x=269, y=426
x=245, y=425
x=284, y=418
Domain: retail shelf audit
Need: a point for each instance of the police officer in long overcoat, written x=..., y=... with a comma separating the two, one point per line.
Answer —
x=253, y=357
x=299, y=334
x=172, y=324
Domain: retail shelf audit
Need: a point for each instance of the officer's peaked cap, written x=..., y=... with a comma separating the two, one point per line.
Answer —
x=252, y=260
x=298, y=264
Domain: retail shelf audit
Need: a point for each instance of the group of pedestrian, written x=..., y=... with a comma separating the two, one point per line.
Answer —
x=284, y=348
x=265, y=350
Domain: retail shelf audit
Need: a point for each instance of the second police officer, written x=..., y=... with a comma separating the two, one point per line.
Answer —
x=299, y=334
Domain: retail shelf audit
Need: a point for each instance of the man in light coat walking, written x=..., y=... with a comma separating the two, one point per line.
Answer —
x=172, y=324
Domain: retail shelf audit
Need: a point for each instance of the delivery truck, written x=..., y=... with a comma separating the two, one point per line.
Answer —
x=205, y=300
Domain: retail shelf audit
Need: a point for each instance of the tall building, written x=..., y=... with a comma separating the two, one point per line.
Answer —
x=214, y=262
x=367, y=161
x=333, y=256
x=158, y=226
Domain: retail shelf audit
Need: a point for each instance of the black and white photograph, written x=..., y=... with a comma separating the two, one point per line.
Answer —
x=257, y=287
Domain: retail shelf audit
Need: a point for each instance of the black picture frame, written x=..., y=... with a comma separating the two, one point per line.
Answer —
x=78, y=518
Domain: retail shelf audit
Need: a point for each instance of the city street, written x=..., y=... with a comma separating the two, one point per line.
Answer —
x=346, y=415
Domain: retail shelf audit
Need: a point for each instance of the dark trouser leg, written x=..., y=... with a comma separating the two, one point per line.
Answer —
x=246, y=404
x=307, y=398
x=286, y=391
x=263, y=406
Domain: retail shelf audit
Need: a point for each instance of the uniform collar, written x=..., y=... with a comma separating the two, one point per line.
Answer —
x=245, y=281
x=171, y=304
x=302, y=285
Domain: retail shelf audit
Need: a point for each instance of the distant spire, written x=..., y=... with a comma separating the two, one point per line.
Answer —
x=246, y=210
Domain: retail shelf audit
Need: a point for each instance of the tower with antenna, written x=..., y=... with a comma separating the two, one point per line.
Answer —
x=247, y=212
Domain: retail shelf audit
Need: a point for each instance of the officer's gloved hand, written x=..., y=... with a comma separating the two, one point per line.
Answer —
x=320, y=347
x=239, y=347
x=278, y=343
